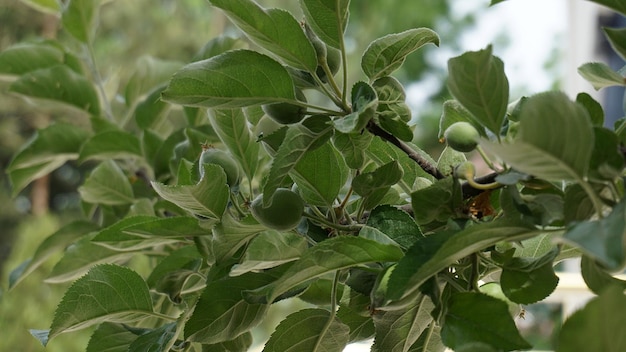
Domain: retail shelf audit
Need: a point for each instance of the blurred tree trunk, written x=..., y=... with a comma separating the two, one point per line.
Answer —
x=40, y=192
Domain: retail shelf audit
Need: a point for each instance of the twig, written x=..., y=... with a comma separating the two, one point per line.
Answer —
x=423, y=163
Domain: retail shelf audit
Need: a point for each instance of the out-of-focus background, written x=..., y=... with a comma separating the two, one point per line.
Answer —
x=541, y=42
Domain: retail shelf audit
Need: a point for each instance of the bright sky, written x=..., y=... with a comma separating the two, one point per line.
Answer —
x=533, y=28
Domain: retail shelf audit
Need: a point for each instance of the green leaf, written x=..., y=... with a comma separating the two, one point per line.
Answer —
x=477, y=317
x=361, y=327
x=396, y=224
x=110, y=337
x=149, y=73
x=300, y=139
x=528, y=281
x=593, y=107
x=477, y=80
x=453, y=112
x=154, y=340
x=373, y=186
x=208, y=198
x=596, y=277
x=270, y=249
x=382, y=153
x=230, y=80
x=617, y=38
x=151, y=111
x=242, y=342
x=79, y=17
x=397, y=330
x=548, y=122
x=111, y=145
x=273, y=29
x=230, y=234
x=107, y=184
x=176, y=260
x=600, y=75
x=392, y=113
x=576, y=204
x=616, y=5
x=438, y=251
x=327, y=18
x=602, y=239
x=320, y=175
x=385, y=55
x=81, y=256
x=307, y=331
x=364, y=104
x=59, y=83
x=606, y=162
x=437, y=202
x=599, y=326
x=221, y=314
x=51, y=245
x=22, y=58
x=46, y=6
x=232, y=128
x=48, y=149
x=219, y=45
x=326, y=257
x=353, y=147
x=108, y=293
x=449, y=159
x=177, y=226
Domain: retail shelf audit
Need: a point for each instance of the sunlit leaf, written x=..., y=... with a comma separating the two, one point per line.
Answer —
x=273, y=29
x=327, y=18
x=385, y=55
x=230, y=80
x=600, y=75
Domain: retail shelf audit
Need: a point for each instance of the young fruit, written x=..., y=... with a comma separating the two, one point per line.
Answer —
x=287, y=113
x=462, y=136
x=283, y=214
x=333, y=60
x=224, y=160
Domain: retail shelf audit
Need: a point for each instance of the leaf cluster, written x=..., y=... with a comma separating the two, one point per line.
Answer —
x=392, y=245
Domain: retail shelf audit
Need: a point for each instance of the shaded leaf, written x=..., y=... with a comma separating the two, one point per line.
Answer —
x=107, y=184
x=111, y=145
x=78, y=19
x=596, y=277
x=110, y=337
x=326, y=257
x=364, y=104
x=599, y=326
x=373, y=186
x=617, y=38
x=397, y=330
x=395, y=223
x=149, y=73
x=476, y=317
x=353, y=147
x=48, y=149
x=477, y=80
x=221, y=314
x=22, y=58
x=154, y=340
x=438, y=251
x=307, y=330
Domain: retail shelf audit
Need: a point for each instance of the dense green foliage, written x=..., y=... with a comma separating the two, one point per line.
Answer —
x=386, y=243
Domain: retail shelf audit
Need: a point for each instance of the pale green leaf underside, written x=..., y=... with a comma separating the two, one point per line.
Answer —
x=327, y=18
x=270, y=249
x=107, y=184
x=601, y=75
x=385, y=55
x=208, y=198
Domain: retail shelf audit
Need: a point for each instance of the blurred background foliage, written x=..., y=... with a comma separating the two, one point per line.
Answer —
x=169, y=30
